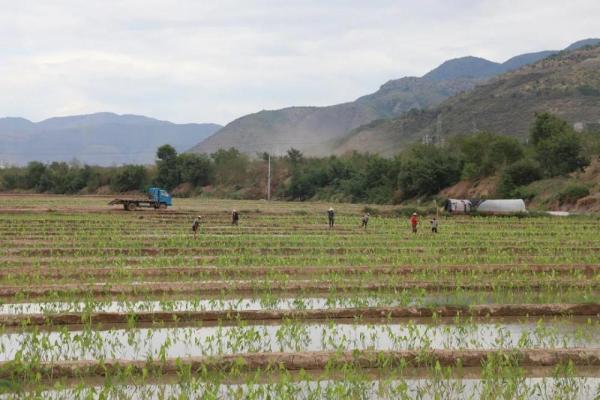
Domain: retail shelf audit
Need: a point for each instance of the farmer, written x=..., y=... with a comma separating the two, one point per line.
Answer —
x=434, y=225
x=365, y=220
x=331, y=217
x=235, y=217
x=414, y=221
x=196, y=225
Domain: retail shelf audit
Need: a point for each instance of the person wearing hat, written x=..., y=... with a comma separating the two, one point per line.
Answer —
x=414, y=221
x=365, y=220
x=196, y=225
x=331, y=217
x=235, y=217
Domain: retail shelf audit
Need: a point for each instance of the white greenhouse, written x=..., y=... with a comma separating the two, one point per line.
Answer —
x=495, y=206
x=502, y=206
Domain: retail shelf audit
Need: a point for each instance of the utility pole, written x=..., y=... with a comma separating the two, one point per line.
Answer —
x=269, y=180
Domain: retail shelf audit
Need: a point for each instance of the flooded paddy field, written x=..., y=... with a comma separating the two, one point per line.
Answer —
x=506, y=293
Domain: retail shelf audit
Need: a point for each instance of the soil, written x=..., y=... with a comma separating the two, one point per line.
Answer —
x=483, y=188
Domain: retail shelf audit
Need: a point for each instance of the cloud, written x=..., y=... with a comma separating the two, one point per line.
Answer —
x=213, y=61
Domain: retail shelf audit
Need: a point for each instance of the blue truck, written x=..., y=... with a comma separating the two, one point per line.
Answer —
x=157, y=198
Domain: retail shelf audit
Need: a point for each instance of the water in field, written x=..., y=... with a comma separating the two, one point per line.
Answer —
x=169, y=342
x=365, y=388
x=270, y=302
x=176, y=305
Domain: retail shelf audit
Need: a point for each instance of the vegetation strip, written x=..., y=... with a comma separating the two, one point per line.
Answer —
x=509, y=310
x=57, y=273
x=314, y=360
x=233, y=287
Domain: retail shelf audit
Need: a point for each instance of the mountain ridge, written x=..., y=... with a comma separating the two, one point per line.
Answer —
x=566, y=84
x=102, y=138
x=313, y=129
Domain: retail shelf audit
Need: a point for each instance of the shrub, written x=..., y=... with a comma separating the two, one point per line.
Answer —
x=370, y=210
x=523, y=192
x=521, y=173
x=573, y=193
x=130, y=177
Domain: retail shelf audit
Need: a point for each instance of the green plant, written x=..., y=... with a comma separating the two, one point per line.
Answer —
x=572, y=193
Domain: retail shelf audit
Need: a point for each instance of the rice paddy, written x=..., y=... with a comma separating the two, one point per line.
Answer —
x=101, y=303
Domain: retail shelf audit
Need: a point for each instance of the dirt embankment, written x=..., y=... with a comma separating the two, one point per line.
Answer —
x=508, y=310
x=483, y=188
x=309, y=361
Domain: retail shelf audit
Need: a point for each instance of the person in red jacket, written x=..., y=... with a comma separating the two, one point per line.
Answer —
x=414, y=221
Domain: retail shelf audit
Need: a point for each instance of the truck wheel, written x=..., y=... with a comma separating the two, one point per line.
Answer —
x=162, y=206
x=131, y=206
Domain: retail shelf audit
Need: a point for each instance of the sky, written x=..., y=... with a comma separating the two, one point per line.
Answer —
x=216, y=60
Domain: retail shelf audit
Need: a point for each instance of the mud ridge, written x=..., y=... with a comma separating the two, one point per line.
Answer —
x=309, y=361
x=506, y=310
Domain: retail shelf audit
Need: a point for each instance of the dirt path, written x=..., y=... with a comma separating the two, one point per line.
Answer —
x=310, y=361
x=508, y=310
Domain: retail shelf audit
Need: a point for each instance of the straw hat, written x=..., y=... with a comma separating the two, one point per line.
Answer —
x=330, y=208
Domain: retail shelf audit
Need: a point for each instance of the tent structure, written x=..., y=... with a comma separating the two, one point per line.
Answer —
x=496, y=206
x=457, y=206
x=502, y=206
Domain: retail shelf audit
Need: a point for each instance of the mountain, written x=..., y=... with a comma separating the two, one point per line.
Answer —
x=464, y=67
x=582, y=43
x=317, y=130
x=310, y=129
x=101, y=138
x=566, y=83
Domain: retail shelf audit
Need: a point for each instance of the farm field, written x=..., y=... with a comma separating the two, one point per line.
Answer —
x=100, y=302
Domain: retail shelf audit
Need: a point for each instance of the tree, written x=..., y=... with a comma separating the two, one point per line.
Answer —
x=130, y=177
x=545, y=126
x=558, y=147
x=55, y=178
x=561, y=153
x=168, y=175
x=195, y=169
x=294, y=156
x=483, y=154
x=166, y=152
x=504, y=150
x=426, y=169
x=231, y=166
x=33, y=174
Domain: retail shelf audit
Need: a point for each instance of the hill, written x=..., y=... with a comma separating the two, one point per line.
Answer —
x=101, y=138
x=317, y=130
x=311, y=128
x=566, y=84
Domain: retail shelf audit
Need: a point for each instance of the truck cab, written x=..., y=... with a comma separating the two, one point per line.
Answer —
x=160, y=197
